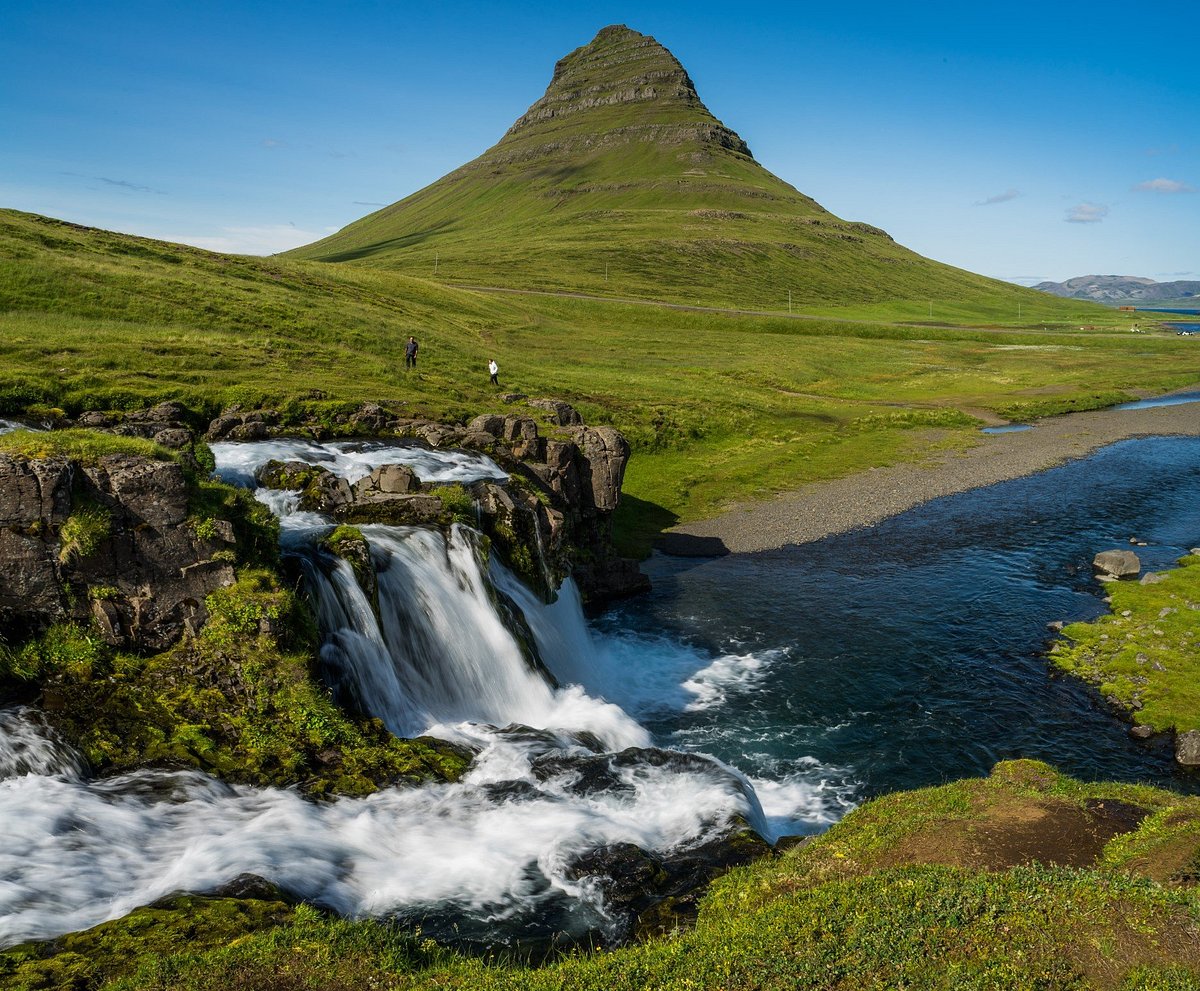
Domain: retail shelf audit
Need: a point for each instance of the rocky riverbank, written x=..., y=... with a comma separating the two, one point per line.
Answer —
x=1143, y=657
x=824, y=508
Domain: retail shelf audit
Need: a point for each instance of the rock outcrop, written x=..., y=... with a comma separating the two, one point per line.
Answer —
x=576, y=474
x=1117, y=564
x=621, y=67
x=108, y=540
x=236, y=424
x=552, y=518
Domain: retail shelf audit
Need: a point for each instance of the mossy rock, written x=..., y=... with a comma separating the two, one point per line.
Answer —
x=418, y=509
x=239, y=701
x=183, y=924
x=291, y=475
x=348, y=543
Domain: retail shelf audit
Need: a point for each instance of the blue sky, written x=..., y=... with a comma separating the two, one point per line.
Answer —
x=1022, y=140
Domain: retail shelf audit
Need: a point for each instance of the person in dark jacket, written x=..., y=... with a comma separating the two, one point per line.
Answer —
x=410, y=352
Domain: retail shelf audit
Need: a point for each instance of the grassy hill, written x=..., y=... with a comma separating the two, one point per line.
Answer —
x=619, y=181
x=719, y=406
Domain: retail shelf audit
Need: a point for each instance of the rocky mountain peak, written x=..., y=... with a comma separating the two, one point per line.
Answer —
x=623, y=69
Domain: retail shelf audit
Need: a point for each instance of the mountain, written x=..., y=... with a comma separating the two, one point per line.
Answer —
x=620, y=181
x=1123, y=289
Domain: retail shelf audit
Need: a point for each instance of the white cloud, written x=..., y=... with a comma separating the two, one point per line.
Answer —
x=1008, y=194
x=273, y=143
x=1164, y=186
x=265, y=240
x=1087, y=213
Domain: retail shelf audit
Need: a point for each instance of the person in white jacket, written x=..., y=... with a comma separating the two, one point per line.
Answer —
x=493, y=370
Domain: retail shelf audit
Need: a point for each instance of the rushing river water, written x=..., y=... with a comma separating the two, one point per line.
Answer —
x=817, y=676
x=911, y=653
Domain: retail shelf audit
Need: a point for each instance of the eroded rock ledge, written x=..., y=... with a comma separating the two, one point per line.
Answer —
x=553, y=518
x=109, y=541
x=114, y=540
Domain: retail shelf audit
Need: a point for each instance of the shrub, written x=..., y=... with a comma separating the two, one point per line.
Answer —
x=84, y=532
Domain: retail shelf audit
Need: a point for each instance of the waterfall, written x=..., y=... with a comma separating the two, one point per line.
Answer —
x=29, y=747
x=438, y=653
x=560, y=770
x=559, y=628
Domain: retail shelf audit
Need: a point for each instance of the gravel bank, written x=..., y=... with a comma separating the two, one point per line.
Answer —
x=824, y=508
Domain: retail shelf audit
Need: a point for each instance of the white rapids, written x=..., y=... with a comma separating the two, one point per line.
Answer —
x=352, y=460
x=438, y=657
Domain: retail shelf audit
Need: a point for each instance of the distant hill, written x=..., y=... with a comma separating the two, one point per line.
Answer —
x=1118, y=290
x=619, y=181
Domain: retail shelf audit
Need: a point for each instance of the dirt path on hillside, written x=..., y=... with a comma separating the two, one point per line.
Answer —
x=823, y=508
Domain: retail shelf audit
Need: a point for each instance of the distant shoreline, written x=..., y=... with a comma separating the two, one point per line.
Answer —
x=821, y=509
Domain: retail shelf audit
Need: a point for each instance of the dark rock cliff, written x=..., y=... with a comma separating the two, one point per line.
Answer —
x=621, y=66
x=109, y=541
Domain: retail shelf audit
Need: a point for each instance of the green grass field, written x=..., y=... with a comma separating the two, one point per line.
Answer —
x=718, y=406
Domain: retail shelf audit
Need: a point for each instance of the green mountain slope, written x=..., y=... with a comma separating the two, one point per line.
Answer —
x=619, y=181
x=718, y=406
x=94, y=319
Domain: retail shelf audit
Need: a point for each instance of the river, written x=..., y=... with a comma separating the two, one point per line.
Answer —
x=817, y=676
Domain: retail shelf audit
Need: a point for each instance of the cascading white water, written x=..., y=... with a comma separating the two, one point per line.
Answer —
x=352, y=460
x=497, y=843
x=9, y=425
x=437, y=658
x=651, y=675
x=440, y=653
x=28, y=746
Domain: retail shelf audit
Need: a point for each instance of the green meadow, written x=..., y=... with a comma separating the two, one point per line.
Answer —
x=718, y=406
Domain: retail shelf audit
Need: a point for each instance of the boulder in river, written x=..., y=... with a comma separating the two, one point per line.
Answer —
x=1117, y=564
x=1187, y=748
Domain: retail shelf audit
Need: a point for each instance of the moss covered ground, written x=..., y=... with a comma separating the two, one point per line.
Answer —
x=1026, y=879
x=1145, y=655
x=240, y=700
x=84, y=446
